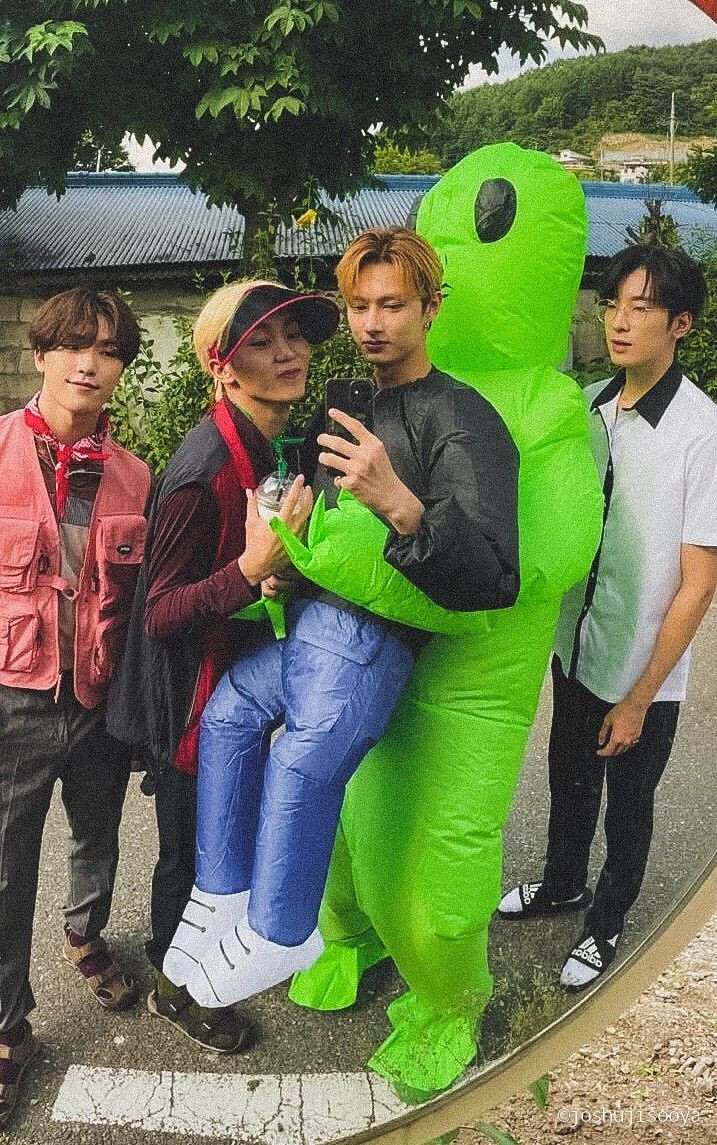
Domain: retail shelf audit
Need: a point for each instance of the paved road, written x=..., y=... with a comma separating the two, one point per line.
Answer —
x=128, y=1079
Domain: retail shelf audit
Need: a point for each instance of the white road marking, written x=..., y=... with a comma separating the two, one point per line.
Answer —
x=285, y=1109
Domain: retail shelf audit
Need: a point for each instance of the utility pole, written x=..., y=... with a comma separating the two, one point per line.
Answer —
x=672, y=138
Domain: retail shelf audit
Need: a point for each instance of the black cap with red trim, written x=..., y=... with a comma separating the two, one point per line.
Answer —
x=317, y=316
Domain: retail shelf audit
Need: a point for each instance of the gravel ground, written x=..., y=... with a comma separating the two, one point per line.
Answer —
x=652, y=1077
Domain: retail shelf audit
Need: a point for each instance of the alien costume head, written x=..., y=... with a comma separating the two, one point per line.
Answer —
x=511, y=229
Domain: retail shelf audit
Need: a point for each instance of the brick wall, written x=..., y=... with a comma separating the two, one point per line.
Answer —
x=18, y=377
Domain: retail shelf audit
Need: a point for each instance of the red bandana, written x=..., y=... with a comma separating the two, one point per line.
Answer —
x=86, y=449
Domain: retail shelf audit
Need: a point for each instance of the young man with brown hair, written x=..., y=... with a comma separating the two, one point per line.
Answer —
x=72, y=533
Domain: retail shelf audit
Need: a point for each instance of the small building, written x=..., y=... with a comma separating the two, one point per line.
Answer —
x=152, y=235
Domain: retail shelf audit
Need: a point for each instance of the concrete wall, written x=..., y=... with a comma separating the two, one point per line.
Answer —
x=18, y=376
x=155, y=306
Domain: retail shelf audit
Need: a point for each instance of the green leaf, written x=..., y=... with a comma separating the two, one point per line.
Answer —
x=540, y=1090
x=279, y=14
x=199, y=53
x=284, y=103
x=493, y=1133
x=216, y=101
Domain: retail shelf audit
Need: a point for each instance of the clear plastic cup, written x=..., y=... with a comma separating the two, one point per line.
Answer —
x=271, y=494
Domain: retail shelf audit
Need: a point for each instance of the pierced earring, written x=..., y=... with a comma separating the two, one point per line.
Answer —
x=427, y=325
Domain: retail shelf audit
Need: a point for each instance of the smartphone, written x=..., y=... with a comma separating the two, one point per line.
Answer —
x=353, y=396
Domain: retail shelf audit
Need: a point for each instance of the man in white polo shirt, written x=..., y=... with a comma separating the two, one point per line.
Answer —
x=622, y=647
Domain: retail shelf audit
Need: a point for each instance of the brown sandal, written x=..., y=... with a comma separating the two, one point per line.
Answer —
x=20, y=1056
x=111, y=986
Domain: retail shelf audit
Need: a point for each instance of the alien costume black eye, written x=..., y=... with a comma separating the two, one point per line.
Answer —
x=495, y=209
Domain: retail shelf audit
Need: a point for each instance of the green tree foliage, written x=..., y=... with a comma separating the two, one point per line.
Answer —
x=698, y=351
x=702, y=174
x=391, y=159
x=655, y=228
x=255, y=98
x=112, y=155
x=572, y=103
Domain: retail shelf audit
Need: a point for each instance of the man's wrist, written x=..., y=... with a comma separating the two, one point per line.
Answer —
x=406, y=512
x=640, y=697
x=250, y=574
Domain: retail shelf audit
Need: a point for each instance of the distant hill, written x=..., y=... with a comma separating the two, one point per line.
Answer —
x=573, y=103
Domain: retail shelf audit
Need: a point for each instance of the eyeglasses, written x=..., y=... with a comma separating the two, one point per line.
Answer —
x=635, y=311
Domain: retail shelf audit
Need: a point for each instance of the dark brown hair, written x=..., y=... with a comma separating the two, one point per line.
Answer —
x=72, y=319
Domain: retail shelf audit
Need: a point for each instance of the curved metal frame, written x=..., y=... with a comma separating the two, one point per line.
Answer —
x=491, y=1085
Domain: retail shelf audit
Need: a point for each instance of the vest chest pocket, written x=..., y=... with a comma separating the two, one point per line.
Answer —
x=19, y=637
x=18, y=554
x=120, y=549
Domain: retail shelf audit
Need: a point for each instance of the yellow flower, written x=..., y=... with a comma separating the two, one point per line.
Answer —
x=307, y=219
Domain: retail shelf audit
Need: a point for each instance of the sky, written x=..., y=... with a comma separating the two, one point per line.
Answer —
x=624, y=23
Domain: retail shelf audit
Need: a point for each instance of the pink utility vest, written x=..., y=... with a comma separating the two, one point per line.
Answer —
x=30, y=563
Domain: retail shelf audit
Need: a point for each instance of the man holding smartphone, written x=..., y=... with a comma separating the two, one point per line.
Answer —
x=440, y=468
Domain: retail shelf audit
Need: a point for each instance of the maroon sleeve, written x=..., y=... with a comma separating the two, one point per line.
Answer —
x=183, y=594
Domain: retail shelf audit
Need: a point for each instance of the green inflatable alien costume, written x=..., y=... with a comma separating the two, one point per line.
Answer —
x=417, y=861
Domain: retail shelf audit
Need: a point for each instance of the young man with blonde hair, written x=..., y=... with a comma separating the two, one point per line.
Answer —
x=441, y=470
x=207, y=552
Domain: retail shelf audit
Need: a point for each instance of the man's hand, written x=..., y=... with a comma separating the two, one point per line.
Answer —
x=621, y=728
x=277, y=583
x=264, y=555
x=366, y=471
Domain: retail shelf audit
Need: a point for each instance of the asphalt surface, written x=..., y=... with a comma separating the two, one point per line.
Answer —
x=526, y=958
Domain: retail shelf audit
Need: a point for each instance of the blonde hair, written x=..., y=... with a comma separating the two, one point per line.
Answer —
x=217, y=313
x=416, y=260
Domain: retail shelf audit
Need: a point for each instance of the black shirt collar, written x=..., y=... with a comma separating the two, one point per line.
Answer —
x=651, y=405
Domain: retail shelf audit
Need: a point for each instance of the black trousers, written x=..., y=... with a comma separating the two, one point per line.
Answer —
x=45, y=738
x=577, y=775
x=173, y=878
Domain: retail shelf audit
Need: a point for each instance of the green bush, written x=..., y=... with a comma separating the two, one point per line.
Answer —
x=154, y=407
x=698, y=351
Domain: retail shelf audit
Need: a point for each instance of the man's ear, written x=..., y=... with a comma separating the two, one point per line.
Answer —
x=681, y=324
x=223, y=376
x=433, y=307
x=39, y=360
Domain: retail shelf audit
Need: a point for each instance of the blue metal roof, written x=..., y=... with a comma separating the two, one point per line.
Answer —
x=153, y=222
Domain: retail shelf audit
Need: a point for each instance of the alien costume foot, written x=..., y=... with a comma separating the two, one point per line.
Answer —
x=427, y=1050
x=332, y=982
x=206, y=917
x=242, y=963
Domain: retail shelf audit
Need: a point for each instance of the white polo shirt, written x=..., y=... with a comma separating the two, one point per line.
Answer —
x=659, y=466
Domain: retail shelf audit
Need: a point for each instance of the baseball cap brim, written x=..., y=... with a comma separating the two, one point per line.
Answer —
x=317, y=316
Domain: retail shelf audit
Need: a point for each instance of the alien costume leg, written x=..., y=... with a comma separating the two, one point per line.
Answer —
x=340, y=677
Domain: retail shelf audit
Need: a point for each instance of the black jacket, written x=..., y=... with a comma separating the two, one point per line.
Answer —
x=453, y=450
